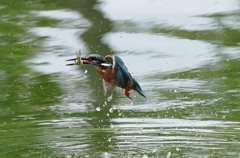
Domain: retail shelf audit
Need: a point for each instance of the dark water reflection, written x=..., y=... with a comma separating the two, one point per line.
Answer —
x=186, y=58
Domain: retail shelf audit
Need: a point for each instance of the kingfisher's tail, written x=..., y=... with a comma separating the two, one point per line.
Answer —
x=138, y=88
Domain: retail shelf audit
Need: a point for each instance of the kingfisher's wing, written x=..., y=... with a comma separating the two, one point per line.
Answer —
x=122, y=76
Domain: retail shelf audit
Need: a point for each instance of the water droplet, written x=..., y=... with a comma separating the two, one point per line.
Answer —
x=106, y=155
x=111, y=125
x=177, y=149
x=154, y=150
x=109, y=98
x=85, y=71
x=98, y=109
x=168, y=154
x=111, y=110
x=145, y=156
x=109, y=139
x=175, y=90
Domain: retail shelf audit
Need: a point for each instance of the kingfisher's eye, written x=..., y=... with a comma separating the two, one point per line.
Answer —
x=90, y=58
x=108, y=59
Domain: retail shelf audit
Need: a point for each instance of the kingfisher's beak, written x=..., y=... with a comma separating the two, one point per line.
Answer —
x=71, y=63
x=94, y=62
x=77, y=61
x=86, y=61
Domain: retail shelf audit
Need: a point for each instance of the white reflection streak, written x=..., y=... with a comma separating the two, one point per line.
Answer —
x=159, y=53
x=155, y=122
x=60, y=41
x=170, y=12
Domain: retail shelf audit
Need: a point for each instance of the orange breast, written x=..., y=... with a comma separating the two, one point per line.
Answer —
x=106, y=75
x=109, y=77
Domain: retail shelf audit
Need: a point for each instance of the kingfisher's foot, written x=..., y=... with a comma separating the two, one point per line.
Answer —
x=127, y=94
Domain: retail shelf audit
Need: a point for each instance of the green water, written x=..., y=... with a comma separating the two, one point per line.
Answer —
x=185, y=57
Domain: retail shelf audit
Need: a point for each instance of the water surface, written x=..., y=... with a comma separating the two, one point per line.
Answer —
x=184, y=54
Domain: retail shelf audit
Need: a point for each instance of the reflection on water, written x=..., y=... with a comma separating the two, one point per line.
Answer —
x=60, y=40
x=184, y=14
x=185, y=57
x=159, y=53
x=151, y=136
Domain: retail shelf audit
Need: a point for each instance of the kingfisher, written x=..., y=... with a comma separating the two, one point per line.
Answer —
x=113, y=71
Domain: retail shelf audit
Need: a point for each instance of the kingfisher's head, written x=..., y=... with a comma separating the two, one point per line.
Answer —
x=96, y=60
x=92, y=59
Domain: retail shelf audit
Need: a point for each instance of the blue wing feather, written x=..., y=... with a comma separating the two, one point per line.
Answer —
x=122, y=74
